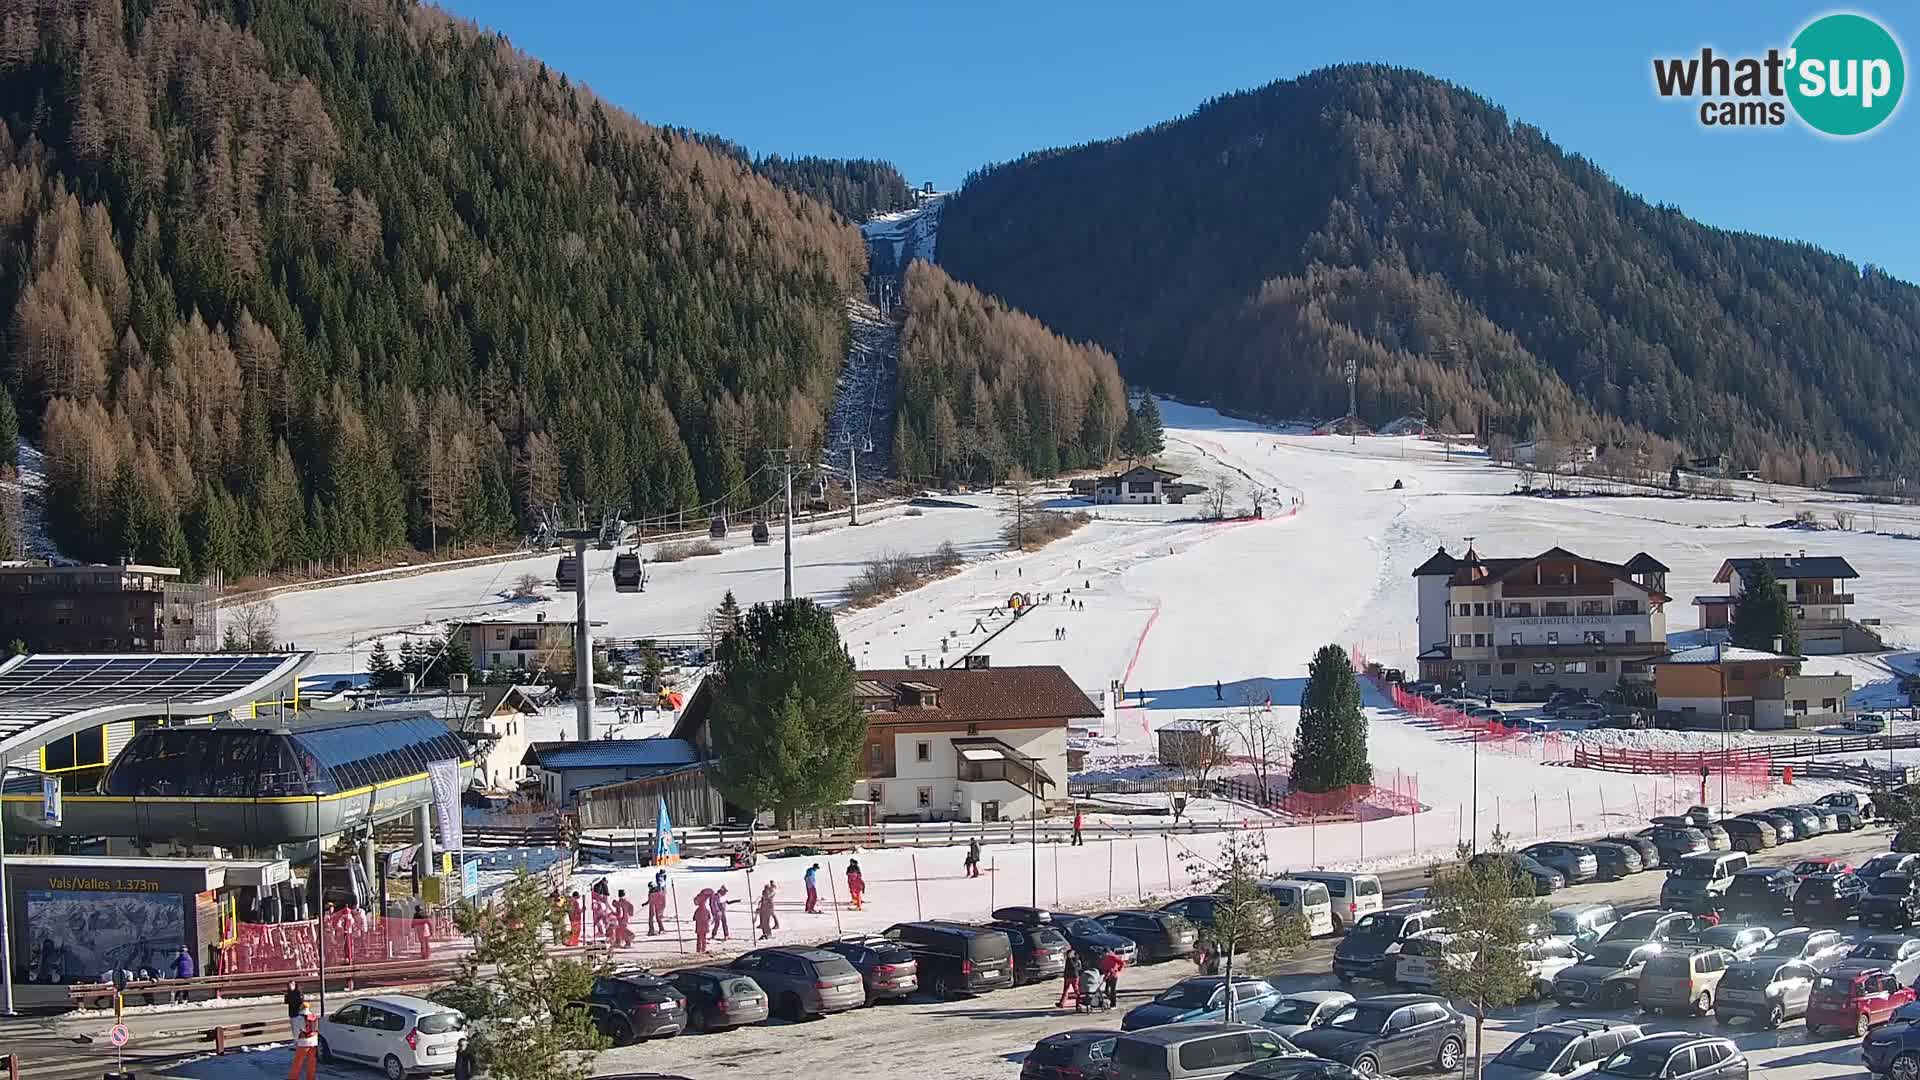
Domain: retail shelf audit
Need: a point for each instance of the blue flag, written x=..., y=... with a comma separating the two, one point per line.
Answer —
x=663, y=841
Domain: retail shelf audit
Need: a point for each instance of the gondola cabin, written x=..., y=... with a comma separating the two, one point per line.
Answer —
x=628, y=574
x=717, y=528
x=566, y=576
x=761, y=535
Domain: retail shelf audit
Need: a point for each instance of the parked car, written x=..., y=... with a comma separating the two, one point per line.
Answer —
x=1828, y=898
x=1583, y=712
x=1892, y=1050
x=1197, y=910
x=1852, y=800
x=1742, y=941
x=1303, y=1011
x=887, y=967
x=718, y=998
x=1698, y=881
x=1819, y=949
x=1677, y=1055
x=1304, y=1067
x=1558, y=700
x=1577, y=924
x=1892, y=900
x=1661, y=926
x=1574, y=861
x=1372, y=948
x=1090, y=938
x=631, y=1005
x=1616, y=860
x=1607, y=976
x=1207, y=1050
x=1760, y=893
x=1527, y=873
x=1897, y=953
x=954, y=958
x=1039, y=953
x=802, y=982
x=1309, y=900
x=1748, y=834
x=1682, y=979
x=1892, y=862
x=1718, y=839
x=1849, y=820
x=1675, y=841
x=396, y=1033
x=1420, y=960
x=1766, y=990
x=1784, y=829
x=1563, y=1050
x=1159, y=935
x=1649, y=851
x=1820, y=864
x=1854, y=999
x=1806, y=823
x=1545, y=958
x=1392, y=1034
x=1866, y=723
x=1354, y=896
x=1823, y=817
x=1082, y=1054
x=1204, y=997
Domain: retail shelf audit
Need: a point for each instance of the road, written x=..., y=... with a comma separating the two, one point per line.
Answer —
x=982, y=1038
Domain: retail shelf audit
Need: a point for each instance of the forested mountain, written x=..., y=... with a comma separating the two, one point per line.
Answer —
x=984, y=388
x=856, y=188
x=1472, y=269
x=287, y=280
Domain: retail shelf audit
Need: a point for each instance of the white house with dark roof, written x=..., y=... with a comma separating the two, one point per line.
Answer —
x=1140, y=484
x=1813, y=585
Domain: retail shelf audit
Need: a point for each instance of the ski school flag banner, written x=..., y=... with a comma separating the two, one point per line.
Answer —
x=663, y=842
x=445, y=777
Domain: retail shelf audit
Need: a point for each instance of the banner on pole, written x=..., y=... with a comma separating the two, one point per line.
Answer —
x=50, y=800
x=665, y=847
x=445, y=777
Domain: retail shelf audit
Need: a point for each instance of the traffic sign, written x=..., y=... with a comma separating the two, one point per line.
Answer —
x=118, y=1036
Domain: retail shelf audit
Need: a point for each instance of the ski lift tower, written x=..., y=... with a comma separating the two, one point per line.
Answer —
x=855, y=447
x=1353, y=413
x=582, y=636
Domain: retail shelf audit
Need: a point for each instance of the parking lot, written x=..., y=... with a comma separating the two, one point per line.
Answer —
x=986, y=1037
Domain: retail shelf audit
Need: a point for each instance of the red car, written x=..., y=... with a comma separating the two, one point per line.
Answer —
x=1851, y=999
x=1820, y=864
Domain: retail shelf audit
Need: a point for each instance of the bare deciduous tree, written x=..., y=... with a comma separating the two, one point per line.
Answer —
x=526, y=585
x=1220, y=495
x=1197, y=750
x=1843, y=520
x=252, y=627
x=1266, y=740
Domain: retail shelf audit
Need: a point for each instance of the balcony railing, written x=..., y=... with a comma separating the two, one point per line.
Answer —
x=1581, y=648
x=1824, y=598
x=1584, y=588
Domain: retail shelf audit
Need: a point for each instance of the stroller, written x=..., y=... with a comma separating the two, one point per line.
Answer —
x=1093, y=992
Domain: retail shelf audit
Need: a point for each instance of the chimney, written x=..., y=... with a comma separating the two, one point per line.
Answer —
x=540, y=616
x=1779, y=645
x=457, y=682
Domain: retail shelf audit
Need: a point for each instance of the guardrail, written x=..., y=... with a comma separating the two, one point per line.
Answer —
x=1692, y=761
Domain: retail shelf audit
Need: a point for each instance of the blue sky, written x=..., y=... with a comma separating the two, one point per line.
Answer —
x=940, y=89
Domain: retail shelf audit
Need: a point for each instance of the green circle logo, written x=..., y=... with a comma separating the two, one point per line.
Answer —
x=1847, y=74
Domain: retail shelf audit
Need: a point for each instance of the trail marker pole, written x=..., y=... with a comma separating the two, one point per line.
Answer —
x=833, y=891
x=917, y=912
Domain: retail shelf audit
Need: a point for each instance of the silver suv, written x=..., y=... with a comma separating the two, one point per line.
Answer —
x=804, y=982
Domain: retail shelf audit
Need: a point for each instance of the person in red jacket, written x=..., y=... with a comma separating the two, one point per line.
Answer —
x=1111, y=965
x=1078, y=840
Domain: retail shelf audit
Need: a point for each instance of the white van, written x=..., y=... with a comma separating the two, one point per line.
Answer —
x=1577, y=924
x=1308, y=899
x=1354, y=896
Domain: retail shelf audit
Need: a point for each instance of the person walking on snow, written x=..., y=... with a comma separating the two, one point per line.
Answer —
x=622, y=921
x=702, y=919
x=306, y=1048
x=656, y=909
x=812, y=880
x=768, y=920
x=718, y=902
x=1070, y=982
x=1111, y=965
x=576, y=915
x=973, y=857
x=1217, y=696
x=856, y=883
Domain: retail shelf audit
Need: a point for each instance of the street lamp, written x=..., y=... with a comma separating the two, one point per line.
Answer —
x=6, y=909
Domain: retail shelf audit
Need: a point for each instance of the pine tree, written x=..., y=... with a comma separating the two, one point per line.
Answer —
x=1491, y=921
x=455, y=657
x=533, y=1029
x=1330, y=750
x=380, y=670
x=9, y=431
x=1248, y=921
x=1764, y=613
x=1150, y=437
x=410, y=659
x=786, y=731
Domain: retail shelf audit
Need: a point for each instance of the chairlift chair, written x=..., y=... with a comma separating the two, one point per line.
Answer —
x=628, y=576
x=566, y=576
x=761, y=535
x=717, y=528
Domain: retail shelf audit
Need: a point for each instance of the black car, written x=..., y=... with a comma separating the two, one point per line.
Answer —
x=886, y=967
x=1676, y=842
x=1160, y=935
x=1616, y=860
x=1785, y=829
x=1892, y=900
x=1607, y=976
x=1070, y=1055
x=1576, y=862
x=1372, y=948
x=1039, y=952
x=1091, y=939
x=1893, y=862
x=635, y=1005
x=1530, y=877
x=957, y=958
x=1393, y=1034
x=1197, y=910
x=1759, y=894
x=1828, y=899
x=1749, y=834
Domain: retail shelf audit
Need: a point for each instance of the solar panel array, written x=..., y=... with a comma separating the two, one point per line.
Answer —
x=43, y=688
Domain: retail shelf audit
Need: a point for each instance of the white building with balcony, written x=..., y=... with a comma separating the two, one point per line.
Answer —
x=1814, y=585
x=1556, y=620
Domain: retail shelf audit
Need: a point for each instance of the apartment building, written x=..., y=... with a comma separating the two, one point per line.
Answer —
x=1748, y=688
x=113, y=608
x=1549, y=621
x=1813, y=585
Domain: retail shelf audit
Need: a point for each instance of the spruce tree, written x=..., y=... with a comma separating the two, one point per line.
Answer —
x=9, y=431
x=786, y=730
x=1149, y=433
x=455, y=657
x=409, y=658
x=1330, y=750
x=1764, y=613
x=380, y=670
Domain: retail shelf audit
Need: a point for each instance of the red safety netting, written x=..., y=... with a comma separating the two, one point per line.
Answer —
x=351, y=939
